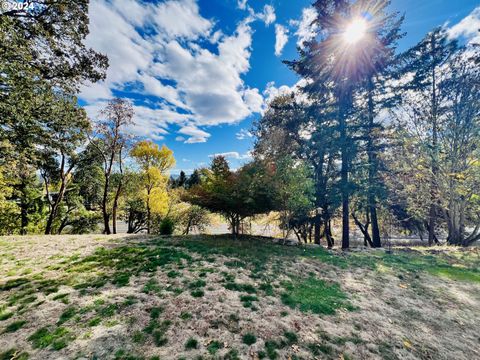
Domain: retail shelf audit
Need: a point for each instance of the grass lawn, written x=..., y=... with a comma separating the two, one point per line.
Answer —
x=212, y=297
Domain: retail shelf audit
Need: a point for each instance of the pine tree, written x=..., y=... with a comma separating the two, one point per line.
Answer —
x=379, y=97
x=337, y=68
x=182, y=179
x=423, y=104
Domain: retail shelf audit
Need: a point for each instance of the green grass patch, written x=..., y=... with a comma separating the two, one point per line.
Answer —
x=321, y=349
x=267, y=288
x=138, y=337
x=62, y=298
x=185, y=315
x=94, y=321
x=315, y=295
x=151, y=287
x=247, y=300
x=14, y=326
x=57, y=338
x=67, y=315
x=155, y=312
x=191, y=344
x=248, y=288
x=173, y=274
x=455, y=273
x=271, y=349
x=5, y=315
x=232, y=355
x=197, y=284
x=14, y=354
x=249, y=339
x=158, y=330
x=292, y=338
x=214, y=346
x=197, y=293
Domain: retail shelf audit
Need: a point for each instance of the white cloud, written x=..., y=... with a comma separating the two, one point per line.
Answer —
x=180, y=18
x=468, y=27
x=244, y=134
x=196, y=135
x=254, y=100
x=234, y=155
x=268, y=15
x=216, y=36
x=305, y=27
x=149, y=122
x=157, y=49
x=180, y=138
x=271, y=91
x=281, y=38
x=242, y=4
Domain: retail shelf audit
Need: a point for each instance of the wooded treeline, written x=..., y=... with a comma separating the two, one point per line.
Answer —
x=392, y=138
x=58, y=168
x=385, y=140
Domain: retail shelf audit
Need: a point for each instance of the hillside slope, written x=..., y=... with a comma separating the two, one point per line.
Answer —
x=137, y=297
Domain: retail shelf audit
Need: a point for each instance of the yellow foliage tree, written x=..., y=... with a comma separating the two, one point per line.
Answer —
x=154, y=163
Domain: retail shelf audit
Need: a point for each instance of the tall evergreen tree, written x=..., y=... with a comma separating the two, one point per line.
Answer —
x=337, y=66
x=378, y=97
x=424, y=67
x=182, y=179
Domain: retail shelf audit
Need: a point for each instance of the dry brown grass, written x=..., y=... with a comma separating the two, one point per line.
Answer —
x=400, y=312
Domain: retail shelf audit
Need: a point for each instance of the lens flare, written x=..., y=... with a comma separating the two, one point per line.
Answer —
x=355, y=31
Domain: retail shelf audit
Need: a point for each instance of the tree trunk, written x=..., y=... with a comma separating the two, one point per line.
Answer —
x=63, y=187
x=328, y=234
x=433, y=195
x=106, y=225
x=372, y=169
x=115, y=207
x=234, y=224
x=376, y=240
x=54, y=209
x=318, y=223
x=344, y=186
x=23, y=208
x=148, y=212
x=364, y=229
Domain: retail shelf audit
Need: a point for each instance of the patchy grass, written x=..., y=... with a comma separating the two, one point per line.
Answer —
x=14, y=354
x=147, y=298
x=214, y=346
x=315, y=295
x=191, y=344
x=14, y=326
x=249, y=339
x=57, y=338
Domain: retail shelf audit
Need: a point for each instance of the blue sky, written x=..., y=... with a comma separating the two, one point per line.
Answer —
x=199, y=72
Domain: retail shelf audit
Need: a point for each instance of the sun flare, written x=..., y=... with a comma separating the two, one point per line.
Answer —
x=355, y=31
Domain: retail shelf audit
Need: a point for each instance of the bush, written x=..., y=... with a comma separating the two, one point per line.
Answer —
x=167, y=225
x=87, y=222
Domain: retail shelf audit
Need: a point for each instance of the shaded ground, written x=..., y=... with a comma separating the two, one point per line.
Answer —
x=93, y=297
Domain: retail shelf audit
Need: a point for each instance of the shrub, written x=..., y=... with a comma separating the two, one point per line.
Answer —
x=167, y=225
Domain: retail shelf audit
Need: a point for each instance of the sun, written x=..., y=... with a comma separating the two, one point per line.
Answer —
x=355, y=31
